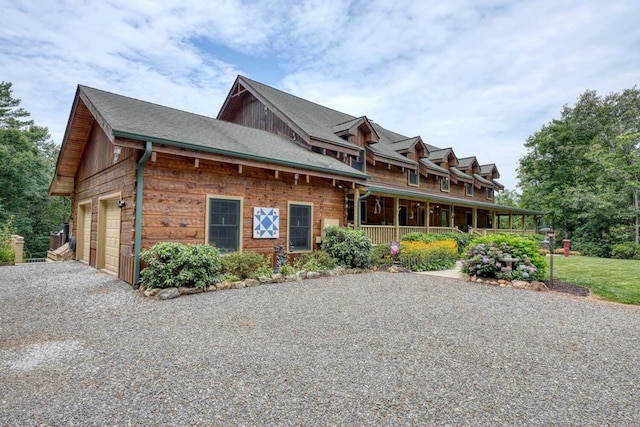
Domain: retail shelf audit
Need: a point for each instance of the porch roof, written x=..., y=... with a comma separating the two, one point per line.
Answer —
x=449, y=200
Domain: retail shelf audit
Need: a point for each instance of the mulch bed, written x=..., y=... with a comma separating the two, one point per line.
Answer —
x=568, y=288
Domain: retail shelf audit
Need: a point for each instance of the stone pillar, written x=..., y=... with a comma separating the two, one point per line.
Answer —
x=17, y=244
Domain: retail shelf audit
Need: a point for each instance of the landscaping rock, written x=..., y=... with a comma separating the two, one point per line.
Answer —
x=520, y=284
x=393, y=269
x=183, y=290
x=473, y=278
x=312, y=274
x=152, y=292
x=265, y=280
x=168, y=293
x=249, y=283
x=539, y=287
x=291, y=278
x=212, y=288
x=277, y=278
x=238, y=285
x=223, y=286
x=302, y=275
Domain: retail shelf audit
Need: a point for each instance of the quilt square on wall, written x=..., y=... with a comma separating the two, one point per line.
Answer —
x=266, y=223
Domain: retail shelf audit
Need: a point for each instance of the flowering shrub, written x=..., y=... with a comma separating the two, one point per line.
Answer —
x=350, y=248
x=420, y=256
x=489, y=260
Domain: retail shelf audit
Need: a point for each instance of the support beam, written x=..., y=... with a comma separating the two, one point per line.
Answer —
x=277, y=174
x=153, y=157
x=396, y=218
x=196, y=162
x=474, y=221
x=428, y=220
x=240, y=169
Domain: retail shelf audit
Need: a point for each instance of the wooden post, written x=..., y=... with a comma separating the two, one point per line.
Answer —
x=474, y=223
x=428, y=220
x=396, y=218
x=495, y=220
x=510, y=221
x=524, y=224
x=452, y=221
x=356, y=208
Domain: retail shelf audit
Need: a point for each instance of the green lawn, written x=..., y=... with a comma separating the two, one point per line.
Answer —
x=611, y=279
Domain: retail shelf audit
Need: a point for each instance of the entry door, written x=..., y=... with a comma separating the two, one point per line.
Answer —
x=83, y=242
x=111, y=233
x=469, y=219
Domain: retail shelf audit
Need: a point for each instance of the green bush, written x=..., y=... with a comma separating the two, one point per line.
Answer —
x=315, y=261
x=462, y=240
x=381, y=256
x=627, y=250
x=172, y=264
x=6, y=254
x=420, y=237
x=484, y=257
x=350, y=248
x=6, y=230
x=245, y=264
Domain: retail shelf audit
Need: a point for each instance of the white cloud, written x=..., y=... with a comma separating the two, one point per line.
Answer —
x=478, y=76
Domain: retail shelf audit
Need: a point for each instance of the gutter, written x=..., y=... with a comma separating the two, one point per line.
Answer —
x=138, y=231
x=361, y=198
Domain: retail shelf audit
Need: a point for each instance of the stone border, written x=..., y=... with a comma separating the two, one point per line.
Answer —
x=517, y=284
x=170, y=293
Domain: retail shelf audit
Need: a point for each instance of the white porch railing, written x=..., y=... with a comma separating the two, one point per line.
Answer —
x=380, y=233
x=387, y=233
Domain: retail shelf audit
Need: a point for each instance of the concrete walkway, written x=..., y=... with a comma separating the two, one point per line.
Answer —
x=453, y=273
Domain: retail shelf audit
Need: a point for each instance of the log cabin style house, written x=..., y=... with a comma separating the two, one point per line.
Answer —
x=272, y=169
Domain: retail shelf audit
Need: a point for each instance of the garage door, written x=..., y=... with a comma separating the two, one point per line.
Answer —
x=85, y=237
x=112, y=236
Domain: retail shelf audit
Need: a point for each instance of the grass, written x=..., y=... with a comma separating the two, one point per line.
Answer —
x=611, y=279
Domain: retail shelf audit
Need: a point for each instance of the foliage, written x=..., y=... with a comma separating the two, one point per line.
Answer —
x=611, y=279
x=420, y=256
x=173, y=264
x=6, y=230
x=28, y=159
x=462, y=239
x=287, y=269
x=245, y=264
x=627, y=250
x=485, y=257
x=315, y=261
x=583, y=171
x=381, y=255
x=350, y=248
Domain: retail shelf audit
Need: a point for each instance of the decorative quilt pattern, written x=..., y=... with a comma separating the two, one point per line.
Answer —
x=266, y=223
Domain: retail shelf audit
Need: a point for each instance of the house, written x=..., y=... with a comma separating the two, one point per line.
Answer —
x=272, y=169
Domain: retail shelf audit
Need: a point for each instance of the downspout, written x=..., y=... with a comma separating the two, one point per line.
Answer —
x=138, y=231
x=361, y=198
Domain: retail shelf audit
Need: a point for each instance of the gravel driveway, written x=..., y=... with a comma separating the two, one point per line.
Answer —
x=78, y=347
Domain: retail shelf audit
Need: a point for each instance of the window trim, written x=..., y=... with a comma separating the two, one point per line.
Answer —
x=208, y=216
x=296, y=203
x=442, y=181
x=417, y=174
x=490, y=191
x=468, y=186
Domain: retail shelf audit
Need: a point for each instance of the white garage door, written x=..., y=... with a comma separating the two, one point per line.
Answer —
x=112, y=236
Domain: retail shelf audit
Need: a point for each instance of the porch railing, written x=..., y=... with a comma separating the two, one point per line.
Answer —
x=380, y=234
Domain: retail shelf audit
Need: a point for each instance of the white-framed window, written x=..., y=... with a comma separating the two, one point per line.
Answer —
x=490, y=193
x=300, y=226
x=468, y=189
x=444, y=185
x=414, y=177
x=224, y=223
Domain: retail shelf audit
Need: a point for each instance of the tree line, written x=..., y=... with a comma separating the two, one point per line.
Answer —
x=27, y=157
x=583, y=171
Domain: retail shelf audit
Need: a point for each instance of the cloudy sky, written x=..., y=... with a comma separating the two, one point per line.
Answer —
x=478, y=76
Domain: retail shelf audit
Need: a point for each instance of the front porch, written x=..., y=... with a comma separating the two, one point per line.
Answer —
x=387, y=218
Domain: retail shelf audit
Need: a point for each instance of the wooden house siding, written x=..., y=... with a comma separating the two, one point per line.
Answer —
x=175, y=199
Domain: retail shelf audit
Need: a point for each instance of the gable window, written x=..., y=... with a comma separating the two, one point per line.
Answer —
x=468, y=188
x=414, y=177
x=358, y=163
x=299, y=220
x=444, y=184
x=490, y=193
x=224, y=224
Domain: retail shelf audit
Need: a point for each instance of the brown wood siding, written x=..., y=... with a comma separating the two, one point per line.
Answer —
x=92, y=183
x=249, y=111
x=175, y=198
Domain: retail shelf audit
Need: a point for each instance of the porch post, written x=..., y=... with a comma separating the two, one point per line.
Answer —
x=453, y=216
x=494, y=223
x=474, y=222
x=426, y=212
x=524, y=224
x=356, y=209
x=396, y=218
x=510, y=221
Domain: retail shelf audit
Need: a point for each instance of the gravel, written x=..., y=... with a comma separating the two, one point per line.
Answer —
x=79, y=347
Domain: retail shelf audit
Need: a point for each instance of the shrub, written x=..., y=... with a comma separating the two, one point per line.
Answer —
x=350, y=248
x=6, y=230
x=245, y=264
x=381, y=256
x=523, y=246
x=627, y=250
x=420, y=256
x=462, y=239
x=172, y=264
x=6, y=254
x=315, y=261
x=419, y=237
x=488, y=260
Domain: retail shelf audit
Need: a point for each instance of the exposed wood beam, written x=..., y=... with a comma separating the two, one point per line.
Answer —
x=307, y=178
x=276, y=173
x=196, y=162
x=153, y=157
x=240, y=169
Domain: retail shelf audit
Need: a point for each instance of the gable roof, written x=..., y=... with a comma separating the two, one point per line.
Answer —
x=125, y=117
x=488, y=169
x=468, y=162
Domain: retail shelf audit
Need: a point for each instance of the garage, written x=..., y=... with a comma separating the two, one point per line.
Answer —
x=83, y=249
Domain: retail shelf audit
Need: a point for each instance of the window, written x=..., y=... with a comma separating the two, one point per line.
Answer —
x=299, y=227
x=363, y=211
x=490, y=193
x=468, y=188
x=358, y=163
x=224, y=226
x=444, y=184
x=414, y=177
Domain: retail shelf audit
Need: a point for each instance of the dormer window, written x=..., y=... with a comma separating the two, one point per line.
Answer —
x=414, y=177
x=358, y=163
x=490, y=193
x=444, y=185
x=468, y=188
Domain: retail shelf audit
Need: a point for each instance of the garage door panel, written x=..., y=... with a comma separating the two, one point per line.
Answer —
x=112, y=236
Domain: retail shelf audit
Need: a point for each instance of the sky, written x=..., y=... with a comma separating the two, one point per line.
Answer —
x=478, y=76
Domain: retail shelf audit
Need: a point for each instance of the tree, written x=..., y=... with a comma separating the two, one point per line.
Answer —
x=583, y=170
x=28, y=157
x=508, y=198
